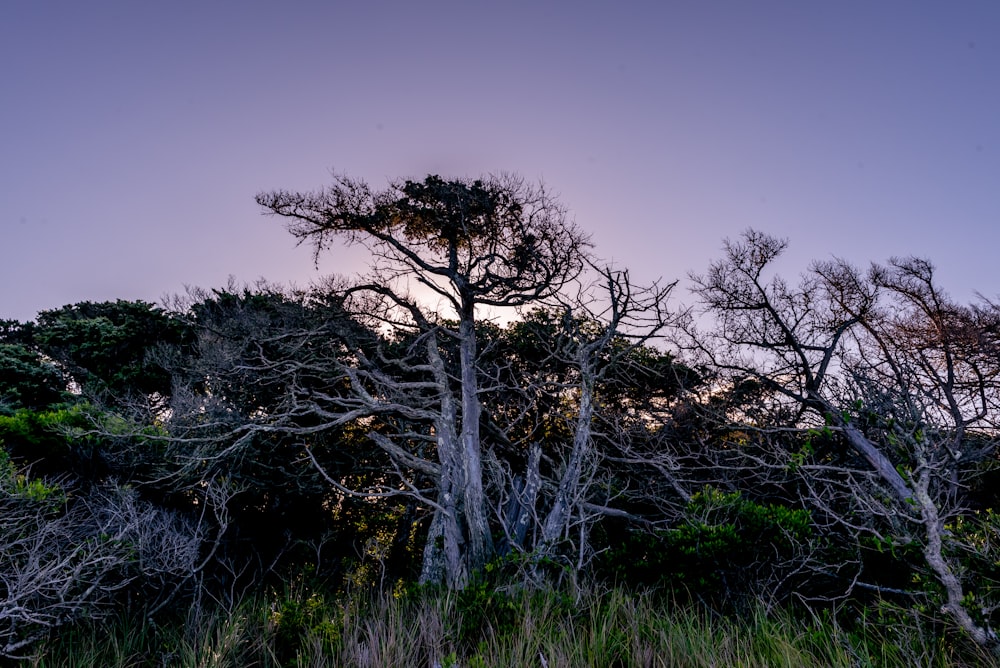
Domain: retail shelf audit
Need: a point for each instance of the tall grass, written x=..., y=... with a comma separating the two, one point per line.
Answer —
x=484, y=628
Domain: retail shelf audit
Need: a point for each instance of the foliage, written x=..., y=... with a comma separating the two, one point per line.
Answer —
x=19, y=486
x=53, y=440
x=28, y=380
x=108, y=348
x=724, y=548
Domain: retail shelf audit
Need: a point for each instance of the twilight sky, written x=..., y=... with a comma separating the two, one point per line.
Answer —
x=134, y=135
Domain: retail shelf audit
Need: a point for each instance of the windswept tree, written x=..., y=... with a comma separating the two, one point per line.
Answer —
x=395, y=385
x=496, y=242
x=881, y=362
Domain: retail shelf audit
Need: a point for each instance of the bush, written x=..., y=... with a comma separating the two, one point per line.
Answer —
x=726, y=548
x=67, y=554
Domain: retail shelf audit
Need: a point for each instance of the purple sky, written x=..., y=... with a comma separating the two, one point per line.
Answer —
x=134, y=135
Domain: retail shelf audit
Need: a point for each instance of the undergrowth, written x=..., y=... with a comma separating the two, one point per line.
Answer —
x=487, y=627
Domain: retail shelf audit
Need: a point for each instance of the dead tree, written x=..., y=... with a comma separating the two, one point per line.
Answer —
x=904, y=376
x=582, y=347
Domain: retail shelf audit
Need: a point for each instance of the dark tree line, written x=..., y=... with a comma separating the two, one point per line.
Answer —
x=492, y=398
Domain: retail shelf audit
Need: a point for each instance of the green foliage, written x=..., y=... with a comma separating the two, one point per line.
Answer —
x=722, y=544
x=53, y=439
x=975, y=545
x=299, y=614
x=27, y=380
x=377, y=547
x=484, y=608
x=81, y=441
x=106, y=346
x=18, y=485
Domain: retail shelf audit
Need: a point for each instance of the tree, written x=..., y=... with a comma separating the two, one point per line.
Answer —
x=904, y=377
x=496, y=242
x=107, y=348
x=28, y=380
x=489, y=430
x=584, y=373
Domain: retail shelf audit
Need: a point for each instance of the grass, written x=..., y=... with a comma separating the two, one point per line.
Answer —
x=485, y=628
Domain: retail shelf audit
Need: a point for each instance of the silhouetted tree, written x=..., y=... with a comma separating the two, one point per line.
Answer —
x=495, y=242
x=905, y=378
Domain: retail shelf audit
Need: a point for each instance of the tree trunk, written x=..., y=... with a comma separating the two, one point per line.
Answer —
x=558, y=517
x=443, y=551
x=934, y=555
x=878, y=461
x=479, y=545
x=520, y=511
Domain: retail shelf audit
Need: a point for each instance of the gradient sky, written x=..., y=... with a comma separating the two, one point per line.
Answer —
x=134, y=135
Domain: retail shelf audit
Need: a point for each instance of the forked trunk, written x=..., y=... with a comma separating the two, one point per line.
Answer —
x=557, y=520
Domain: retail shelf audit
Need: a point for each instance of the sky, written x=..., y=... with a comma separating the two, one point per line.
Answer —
x=135, y=135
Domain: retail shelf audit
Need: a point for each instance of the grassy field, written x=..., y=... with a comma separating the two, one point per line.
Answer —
x=486, y=628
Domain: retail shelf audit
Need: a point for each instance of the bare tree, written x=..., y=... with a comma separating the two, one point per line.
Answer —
x=906, y=377
x=564, y=404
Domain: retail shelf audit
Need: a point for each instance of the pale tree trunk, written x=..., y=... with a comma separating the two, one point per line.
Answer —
x=479, y=544
x=458, y=541
x=876, y=458
x=557, y=520
x=442, y=558
x=433, y=568
x=919, y=494
x=519, y=514
x=936, y=560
